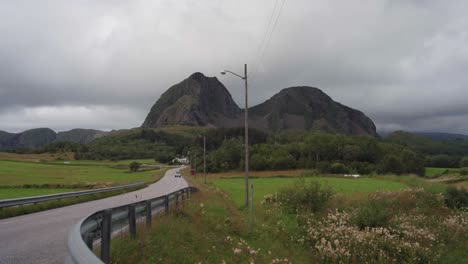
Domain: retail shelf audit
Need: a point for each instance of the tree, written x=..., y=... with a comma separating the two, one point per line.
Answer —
x=134, y=166
x=391, y=164
x=464, y=162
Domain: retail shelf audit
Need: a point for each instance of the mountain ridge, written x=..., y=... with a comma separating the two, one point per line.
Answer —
x=204, y=101
x=37, y=137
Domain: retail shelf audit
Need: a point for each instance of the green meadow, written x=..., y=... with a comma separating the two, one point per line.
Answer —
x=235, y=187
x=24, y=178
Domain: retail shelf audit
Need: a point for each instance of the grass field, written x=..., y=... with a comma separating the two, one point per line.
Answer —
x=434, y=172
x=36, y=157
x=256, y=174
x=15, y=173
x=235, y=187
x=48, y=177
x=9, y=193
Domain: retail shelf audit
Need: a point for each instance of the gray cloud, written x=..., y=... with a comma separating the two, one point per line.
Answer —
x=401, y=62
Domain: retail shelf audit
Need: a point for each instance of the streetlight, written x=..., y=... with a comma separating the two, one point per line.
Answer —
x=246, y=125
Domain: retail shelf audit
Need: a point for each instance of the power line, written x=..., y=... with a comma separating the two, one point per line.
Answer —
x=267, y=30
x=262, y=54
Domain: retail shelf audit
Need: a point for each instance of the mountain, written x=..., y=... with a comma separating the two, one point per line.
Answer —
x=442, y=136
x=28, y=139
x=205, y=101
x=309, y=108
x=42, y=136
x=79, y=135
x=196, y=101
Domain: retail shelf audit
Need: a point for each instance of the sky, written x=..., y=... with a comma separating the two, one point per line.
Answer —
x=103, y=64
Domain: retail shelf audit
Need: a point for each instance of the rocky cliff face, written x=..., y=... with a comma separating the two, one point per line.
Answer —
x=197, y=101
x=204, y=101
x=309, y=108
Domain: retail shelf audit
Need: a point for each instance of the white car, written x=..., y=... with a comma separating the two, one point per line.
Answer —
x=177, y=174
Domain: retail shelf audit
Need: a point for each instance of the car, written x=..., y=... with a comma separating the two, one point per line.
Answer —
x=177, y=174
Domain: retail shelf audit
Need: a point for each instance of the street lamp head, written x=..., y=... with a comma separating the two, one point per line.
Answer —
x=223, y=72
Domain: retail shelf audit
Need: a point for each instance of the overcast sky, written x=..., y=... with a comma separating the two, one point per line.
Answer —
x=103, y=64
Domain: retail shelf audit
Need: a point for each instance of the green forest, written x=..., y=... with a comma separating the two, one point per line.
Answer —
x=399, y=153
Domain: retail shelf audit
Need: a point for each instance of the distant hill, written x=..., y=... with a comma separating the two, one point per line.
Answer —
x=442, y=136
x=79, y=135
x=204, y=101
x=427, y=145
x=38, y=137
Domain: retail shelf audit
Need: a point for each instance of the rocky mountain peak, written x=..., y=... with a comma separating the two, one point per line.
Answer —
x=198, y=100
x=204, y=101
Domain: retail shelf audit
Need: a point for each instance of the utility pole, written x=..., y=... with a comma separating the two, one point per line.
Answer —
x=204, y=157
x=195, y=164
x=246, y=124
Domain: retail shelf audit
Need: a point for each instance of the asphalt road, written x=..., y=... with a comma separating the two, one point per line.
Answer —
x=42, y=237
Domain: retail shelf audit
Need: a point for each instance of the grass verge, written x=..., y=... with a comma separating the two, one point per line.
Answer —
x=27, y=209
x=407, y=226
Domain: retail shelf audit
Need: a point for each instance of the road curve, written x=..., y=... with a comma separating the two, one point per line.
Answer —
x=42, y=237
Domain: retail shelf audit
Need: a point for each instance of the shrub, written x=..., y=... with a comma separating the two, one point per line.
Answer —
x=363, y=168
x=464, y=171
x=456, y=198
x=134, y=166
x=374, y=213
x=304, y=196
x=464, y=162
x=391, y=164
x=323, y=166
x=338, y=168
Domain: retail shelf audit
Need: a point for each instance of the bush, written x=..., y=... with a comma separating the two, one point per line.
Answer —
x=464, y=171
x=464, y=162
x=374, y=213
x=338, y=168
x=134, y=166
x=323, y=166
x=456, y=198
x=363, y=168
x=304, y=196
x=391, y=164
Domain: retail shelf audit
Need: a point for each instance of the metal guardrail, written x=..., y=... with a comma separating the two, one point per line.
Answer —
x=49, y=197
x=99, y=226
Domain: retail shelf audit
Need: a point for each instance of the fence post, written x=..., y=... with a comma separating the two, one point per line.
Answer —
x=132, y=220
x=166, y=204
x=251, y=208
x=106, y=235
x=148, y=213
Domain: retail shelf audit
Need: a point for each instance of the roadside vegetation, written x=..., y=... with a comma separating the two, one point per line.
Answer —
x=26, y=178
x=32, y=208
x=73, y=174
x=307, y=220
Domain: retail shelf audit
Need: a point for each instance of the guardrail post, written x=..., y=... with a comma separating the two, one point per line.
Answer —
x=166, y=204
x=89, y=241
x=132, y=220
x=148, y=213
x=106, y=235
